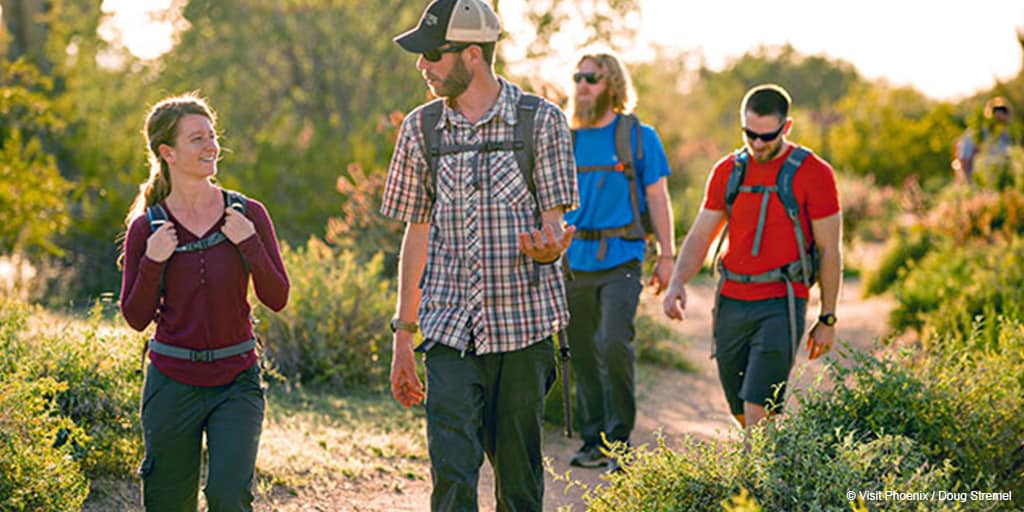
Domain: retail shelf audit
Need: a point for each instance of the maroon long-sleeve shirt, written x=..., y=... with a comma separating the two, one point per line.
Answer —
x=205, y=304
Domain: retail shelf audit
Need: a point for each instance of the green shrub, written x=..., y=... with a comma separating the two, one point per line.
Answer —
x=334, y=329
x=970, y=214
x=868, y=209
x=958, y=290
x=694, y=476
x=35, y=472
x=947, y=418
x=901, y=252
x=96, y=365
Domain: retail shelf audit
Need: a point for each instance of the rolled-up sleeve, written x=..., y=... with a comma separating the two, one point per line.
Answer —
x=554, y=164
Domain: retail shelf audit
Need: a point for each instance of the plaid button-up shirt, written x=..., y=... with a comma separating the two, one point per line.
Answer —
x=477, y=284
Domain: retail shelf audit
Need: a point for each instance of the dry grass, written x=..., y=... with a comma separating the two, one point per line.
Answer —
x=318, y=452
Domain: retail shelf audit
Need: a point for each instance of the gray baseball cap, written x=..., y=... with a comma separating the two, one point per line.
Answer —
x=470, y=21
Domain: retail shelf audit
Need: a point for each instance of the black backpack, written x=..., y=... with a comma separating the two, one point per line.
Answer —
x=521, y=144
x=641, y=226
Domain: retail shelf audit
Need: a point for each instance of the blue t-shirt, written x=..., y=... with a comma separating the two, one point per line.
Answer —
x=604, y=195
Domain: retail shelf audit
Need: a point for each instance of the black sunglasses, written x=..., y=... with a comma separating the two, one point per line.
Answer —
x=591, y=78
x=436, y=54
x=1004, y=110
x=767, y=137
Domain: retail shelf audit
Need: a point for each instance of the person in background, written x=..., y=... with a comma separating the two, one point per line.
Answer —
x=622, y=173
x=989, y=144
x=769, y=265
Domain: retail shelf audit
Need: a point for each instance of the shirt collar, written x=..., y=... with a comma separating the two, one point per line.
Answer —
x=504, y=107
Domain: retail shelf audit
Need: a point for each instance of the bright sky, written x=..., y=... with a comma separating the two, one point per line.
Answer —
x=945, y=48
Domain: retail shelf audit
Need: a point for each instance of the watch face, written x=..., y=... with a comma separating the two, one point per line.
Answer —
x=828, y=319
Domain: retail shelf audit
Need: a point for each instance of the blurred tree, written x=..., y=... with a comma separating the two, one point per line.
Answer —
x=599, y=21
x=816, y=84
x=893, y=134
x=32, y=198
x=303, y=89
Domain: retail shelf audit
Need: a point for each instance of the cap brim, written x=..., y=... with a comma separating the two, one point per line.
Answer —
x=417, y=41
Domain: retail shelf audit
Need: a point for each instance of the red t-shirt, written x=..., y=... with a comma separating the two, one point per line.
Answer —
x=814, y=186
x=205, y=306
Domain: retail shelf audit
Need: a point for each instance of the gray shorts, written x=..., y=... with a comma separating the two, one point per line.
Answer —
x=753, y=349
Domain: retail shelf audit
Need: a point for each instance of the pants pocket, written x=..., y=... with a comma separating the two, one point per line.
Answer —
x=155, y=382
x=146, y=468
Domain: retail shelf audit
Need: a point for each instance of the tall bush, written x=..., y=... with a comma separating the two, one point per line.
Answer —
x=334, y=329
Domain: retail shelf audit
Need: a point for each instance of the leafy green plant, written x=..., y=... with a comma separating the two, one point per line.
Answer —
x=946, y=418
x=903, y=249
x=334, y=329
x=37, y=473
x=95, y=364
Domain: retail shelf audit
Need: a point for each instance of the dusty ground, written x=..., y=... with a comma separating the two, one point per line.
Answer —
x=674, y=403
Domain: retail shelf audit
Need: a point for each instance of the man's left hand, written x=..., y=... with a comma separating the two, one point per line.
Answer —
x=820, y=340
x=547, y=244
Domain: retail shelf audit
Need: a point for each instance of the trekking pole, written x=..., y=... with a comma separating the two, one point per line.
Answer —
x=563, y=349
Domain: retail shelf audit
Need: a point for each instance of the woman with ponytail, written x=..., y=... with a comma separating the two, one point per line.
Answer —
x=188, y=270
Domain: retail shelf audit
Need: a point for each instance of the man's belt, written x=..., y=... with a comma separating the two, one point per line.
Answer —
x=205, y=356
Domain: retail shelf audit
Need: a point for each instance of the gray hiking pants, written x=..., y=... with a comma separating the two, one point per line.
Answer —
x=603, y=306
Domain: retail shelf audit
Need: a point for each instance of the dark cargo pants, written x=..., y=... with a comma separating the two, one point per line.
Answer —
x=489, y=404
x=174, y=417
x=603, y=307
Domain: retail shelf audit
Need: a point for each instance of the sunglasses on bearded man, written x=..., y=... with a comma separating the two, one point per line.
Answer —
x=767, y=137
x=592, y=78
x=436, y=54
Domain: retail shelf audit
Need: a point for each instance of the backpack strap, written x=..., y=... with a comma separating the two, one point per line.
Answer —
x=522, y=144
x=157, y=216
x=784, y=184
x=430, y=115
x=783, y=189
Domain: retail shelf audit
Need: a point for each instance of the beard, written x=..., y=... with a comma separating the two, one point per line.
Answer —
x=456, y=82
x=587, y=111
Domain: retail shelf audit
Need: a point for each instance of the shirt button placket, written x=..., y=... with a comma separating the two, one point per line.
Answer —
x=474, y=249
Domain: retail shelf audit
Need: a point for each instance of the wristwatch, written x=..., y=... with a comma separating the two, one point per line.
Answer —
x=828, y=319
x=397, y=324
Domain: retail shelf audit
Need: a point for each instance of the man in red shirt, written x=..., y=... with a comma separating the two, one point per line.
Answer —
x=766, y=270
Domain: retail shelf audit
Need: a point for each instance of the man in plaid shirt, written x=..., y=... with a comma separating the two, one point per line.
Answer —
x=475, y=263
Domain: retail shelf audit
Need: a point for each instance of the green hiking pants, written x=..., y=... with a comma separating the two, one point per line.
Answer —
x=174, y=418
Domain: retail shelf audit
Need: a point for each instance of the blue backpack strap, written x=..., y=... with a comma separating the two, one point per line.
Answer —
x=784, y=184
x=157, y=216
x=739, y=170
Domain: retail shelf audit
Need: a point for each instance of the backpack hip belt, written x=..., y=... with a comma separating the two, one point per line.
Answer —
x=205, y=356
x=788, y=273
